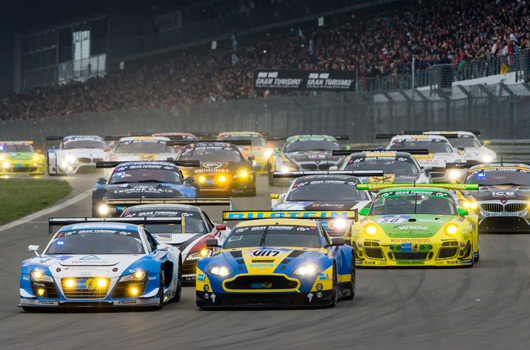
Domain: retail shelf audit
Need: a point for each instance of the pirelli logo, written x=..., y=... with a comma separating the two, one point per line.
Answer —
x=290, y=214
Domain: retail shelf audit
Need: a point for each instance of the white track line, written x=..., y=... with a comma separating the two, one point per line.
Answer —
x=46, y=211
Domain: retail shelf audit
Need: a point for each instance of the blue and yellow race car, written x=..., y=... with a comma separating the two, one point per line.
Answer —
x=276, y=260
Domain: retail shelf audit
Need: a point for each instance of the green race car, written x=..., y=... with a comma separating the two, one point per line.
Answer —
x=19, y=157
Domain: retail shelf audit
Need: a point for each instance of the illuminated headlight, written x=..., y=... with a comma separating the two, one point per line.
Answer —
x=268, y=153
x=5, y=164
x=285, y=169
x=201, y=179
x=37, y=275
x=219, y=271
x=370, y=229
x=306, y=270
x=70, y=158
x=2, y=158
x=338, y=224
x=101, y=282
x=200, y=254
x=69, y=283
x=454, y=174
x=36, y=158
x=470, y=205
x=222, y=178
x=136, y=276
x=451, y=230
x=103, y=209
x=487, y=158
x=244, y=174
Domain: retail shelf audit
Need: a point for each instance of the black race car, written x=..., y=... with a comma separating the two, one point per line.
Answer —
x=137, y=182
x=222, y=171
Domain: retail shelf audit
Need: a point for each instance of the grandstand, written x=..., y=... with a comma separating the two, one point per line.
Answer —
x=449, y=40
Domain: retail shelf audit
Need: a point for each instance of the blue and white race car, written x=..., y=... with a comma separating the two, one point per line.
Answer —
x=101, y=262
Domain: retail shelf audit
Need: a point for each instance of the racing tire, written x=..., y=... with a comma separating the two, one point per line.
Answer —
x=29, y=309
x=178, y=293
x=476, y=258
x=48, y=166
x=252, y=193
x=353, y=280
x=334, y=294
x=161, y=298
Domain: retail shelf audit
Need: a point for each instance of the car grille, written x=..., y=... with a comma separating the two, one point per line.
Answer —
x=309, y=166
x=29, y=169
x=84, y=293
x=263, y=282
x=86, y=160
x=189, y=267
x=373, y=253
x=411, y=255
x=447, y=253
x=313, y=166
x=504, y=224
x=515, y=207
x=50, y=291
x=495, y=208
x=122, y=289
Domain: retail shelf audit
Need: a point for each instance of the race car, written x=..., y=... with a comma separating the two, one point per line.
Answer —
x=222, y=171
x=178, y=136
x=326, y=192
x=468, y=145
x=19, y=157
x=303, y=152
x=101, y=262
x=398, y=167
x=75, y=154
x=138, y=182
x=259, y=148
x=280, y=261
x=440, y=151
x=409, y=225
x=503, y=196
x=190, y=235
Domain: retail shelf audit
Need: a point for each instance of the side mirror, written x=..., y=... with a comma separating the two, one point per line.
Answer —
x=270, y=145
x=460, y=148
x=463, y=212
x=277, y=150
x=220, y=227
x=106, y=150
x=333, y=167
x=189, y=180
x=487, y=143
x=39, y=151
x=212, y=243
x=34, y=248
x=275, y=196
x=336, y=242
x=102, y=181
x=364, y=211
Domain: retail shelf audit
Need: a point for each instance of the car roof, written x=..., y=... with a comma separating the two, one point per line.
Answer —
x=82, y=137
x=442, y=133
x=311, y=137
x=101, y=226
x=423, y=136
x=415, y=188
x=144, y=138
x=278, y=221
x=16, y=143
x=226, y=133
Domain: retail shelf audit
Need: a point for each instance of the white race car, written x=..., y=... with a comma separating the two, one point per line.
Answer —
x=102, y=262
x=468, y=145
x=75, y=154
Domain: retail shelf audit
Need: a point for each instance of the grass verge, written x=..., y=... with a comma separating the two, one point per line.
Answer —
x=21, y=197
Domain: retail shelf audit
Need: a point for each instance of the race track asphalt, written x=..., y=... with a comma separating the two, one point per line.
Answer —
x=484, y=307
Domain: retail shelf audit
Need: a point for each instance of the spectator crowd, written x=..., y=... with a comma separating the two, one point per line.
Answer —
x=455, y=32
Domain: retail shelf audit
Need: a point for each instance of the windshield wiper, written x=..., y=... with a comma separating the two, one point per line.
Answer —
x=262, y=242
x=415, y=203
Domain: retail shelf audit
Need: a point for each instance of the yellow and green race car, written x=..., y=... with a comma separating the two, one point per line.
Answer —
x=19, y=157
x=409, y=225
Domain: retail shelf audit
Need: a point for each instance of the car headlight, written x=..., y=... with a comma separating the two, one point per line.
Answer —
x=454, y=174
x=222, y=178
x=103, y=209
x=306, y=270
x=201, y=179
x=139, y=275
x=37, y=275
x=200, y=254
x=338, y=224
x=487, y=158
x=5, y=164
x=268, y=153
x=451, y=230
x=370, y=229
x=36, y=158
x=2, y=158
x=219, y=271
x=70, y=158
x=470, y=205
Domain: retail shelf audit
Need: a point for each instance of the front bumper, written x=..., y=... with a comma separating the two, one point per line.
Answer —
x=89, y=303
x=496, y=217
x=448, y=253
x=262, y=300
x=29, y=168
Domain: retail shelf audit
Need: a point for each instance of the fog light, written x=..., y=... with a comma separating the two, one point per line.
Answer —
x=319, y=295
x=204, y=252
x=222, y=178
x=134, y=291
x=64, y=164
x=36, y=158
x=319, y=287
x=102, y=283
x=206, y=288
x=103, y=209
x=206, y=296
x=201, y=179
x=69, y=283
x=40, y=291
x=244, y=174
x=6, y=164
x=370, y=229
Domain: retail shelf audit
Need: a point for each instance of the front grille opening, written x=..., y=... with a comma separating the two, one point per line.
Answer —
x=50, y=291
x=373, y=253
x=515, y=207
x=447, y=253
x=411, y=255
x=263, y=282
x=492, y=207
x=123, y=289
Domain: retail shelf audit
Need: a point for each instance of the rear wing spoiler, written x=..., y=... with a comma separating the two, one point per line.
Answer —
x=441, y=133
x=384, y=136
x=359, y=173
x=289, y=214
x=113, y=138
x=404, y=150
x=184, y=201
x=459, y=187
x=183, y=163
x=52, y=222
x=54, y=138
x=189, y=142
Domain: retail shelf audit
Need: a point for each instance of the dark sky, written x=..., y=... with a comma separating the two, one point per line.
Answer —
x=23, y=15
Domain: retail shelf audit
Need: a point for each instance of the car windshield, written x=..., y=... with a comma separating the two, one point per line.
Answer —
x=413, y=202
x=96, y=241
x=84, y=144
x=145, y=175
x=326, y=191
x=389, y=165
x=255, y=140
x=499, y=176
x=16, y=148
x=311, y=145
x=212, y=154
x=470, y=142
x=273, y=236
x=432, y=146
x=138, y=147
x=193, y=222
